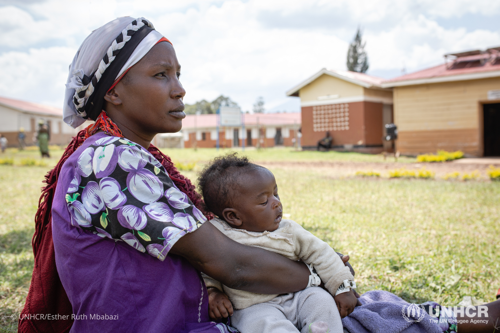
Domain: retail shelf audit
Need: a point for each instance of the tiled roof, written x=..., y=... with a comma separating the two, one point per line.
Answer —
x=373, y=80
x=30, y=107
x=467, y=67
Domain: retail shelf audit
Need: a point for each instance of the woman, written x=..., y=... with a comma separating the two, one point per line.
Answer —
x=43, y=140
x=128, y=260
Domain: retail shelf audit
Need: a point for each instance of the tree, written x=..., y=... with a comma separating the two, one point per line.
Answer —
x=258, y=106
x=203, y=106
x=357, y=59
x=206, y=107
x=223, y=101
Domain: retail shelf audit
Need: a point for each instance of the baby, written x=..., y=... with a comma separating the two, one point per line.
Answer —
x=245, y=198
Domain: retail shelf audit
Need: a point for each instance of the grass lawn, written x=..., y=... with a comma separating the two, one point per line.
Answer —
x=278, y=154
x=420, y=239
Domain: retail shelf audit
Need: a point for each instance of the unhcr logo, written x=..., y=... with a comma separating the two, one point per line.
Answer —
x=412, y=313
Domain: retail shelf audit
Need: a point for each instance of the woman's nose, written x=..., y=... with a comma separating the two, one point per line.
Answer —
x=177, y=91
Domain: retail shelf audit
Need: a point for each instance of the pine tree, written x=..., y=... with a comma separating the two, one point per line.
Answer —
x=357, y=59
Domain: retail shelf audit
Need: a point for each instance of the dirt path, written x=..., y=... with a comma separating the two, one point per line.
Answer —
x=342, y=168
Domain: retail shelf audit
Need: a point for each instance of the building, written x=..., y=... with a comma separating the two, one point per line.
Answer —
x=19, y=115
x=169, y=140
x=266, y=130
x=352, y=107
x=453, y=106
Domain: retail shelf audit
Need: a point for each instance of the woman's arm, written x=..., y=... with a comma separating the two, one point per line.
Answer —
x=239, y=266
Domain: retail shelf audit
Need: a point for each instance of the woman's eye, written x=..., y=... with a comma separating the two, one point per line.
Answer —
x=178, y=75
x=162, y=74
x=265, y=203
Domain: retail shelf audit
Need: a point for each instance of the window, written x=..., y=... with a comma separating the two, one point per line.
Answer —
x=333, y=117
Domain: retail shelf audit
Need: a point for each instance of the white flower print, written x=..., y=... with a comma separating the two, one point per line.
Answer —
x=91, y=198
x=144, y=186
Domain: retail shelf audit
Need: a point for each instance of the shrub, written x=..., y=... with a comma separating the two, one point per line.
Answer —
x=367, y=173
x=6, y=161
x=471, y=176
x=450, y=156
x=185, y=166
x=425, y=174
x=403, y=173
x=451, y=175
x=494, y=173
x=430, y=158
x=441, y=156
x=32, y=162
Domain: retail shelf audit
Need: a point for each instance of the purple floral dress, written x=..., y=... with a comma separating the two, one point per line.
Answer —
x=122, y=192
x=116, y=214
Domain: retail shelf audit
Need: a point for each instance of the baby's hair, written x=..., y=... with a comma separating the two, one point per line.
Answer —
x=218, y=180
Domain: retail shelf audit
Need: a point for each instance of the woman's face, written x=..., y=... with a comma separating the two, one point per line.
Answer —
x=151, y=94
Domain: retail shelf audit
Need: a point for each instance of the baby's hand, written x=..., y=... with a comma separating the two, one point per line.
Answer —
x=219, y=306
x=346, y=302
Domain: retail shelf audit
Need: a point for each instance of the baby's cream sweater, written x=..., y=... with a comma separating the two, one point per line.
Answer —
x=291, y=241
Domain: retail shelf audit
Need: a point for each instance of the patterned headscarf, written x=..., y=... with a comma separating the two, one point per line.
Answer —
x=102, y=60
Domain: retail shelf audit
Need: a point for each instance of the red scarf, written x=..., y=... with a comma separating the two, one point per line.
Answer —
x=46, y=295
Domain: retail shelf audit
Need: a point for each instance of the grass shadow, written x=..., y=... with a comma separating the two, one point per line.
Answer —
x=411, y=298
x=17, y=273
x=16, y=241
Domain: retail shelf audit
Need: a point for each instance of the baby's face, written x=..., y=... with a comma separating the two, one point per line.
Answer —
x=258, y=202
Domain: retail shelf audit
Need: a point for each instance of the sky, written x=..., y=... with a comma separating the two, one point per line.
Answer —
x=243, y=48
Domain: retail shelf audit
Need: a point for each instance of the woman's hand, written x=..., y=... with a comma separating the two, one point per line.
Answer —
x=219, y=305
x=345, y=260
x=239, y=266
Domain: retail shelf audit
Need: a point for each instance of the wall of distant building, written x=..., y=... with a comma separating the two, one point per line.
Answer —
x=353, y=115
x=13, y=121
x=442, y=116
x=349, y=124
x=270, y=136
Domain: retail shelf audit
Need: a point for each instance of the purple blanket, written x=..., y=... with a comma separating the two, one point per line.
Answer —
x=383, y=312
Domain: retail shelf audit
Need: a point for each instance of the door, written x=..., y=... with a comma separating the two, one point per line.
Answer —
x=236, y=137
x=491, y=116
x=278, y=138
x=387, y=118
x=249, y=138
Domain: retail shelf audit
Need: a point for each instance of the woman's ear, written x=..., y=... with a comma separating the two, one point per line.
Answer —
x=231, y=216
x=112, y=97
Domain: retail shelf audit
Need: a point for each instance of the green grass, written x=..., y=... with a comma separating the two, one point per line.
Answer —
x=31, y=156
x=420, y=239
x=279, y=155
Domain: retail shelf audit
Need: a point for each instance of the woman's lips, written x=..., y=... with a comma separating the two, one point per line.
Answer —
x=179, y=114
x=278, y=219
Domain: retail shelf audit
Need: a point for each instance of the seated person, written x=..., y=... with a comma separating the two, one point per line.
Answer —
x=245, y=198
x=326, y=142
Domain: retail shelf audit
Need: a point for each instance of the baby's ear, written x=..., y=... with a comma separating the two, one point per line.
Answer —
x=231, y=216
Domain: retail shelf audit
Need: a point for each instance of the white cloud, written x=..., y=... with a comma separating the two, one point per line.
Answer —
x=243, y=49
x=37, y=75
